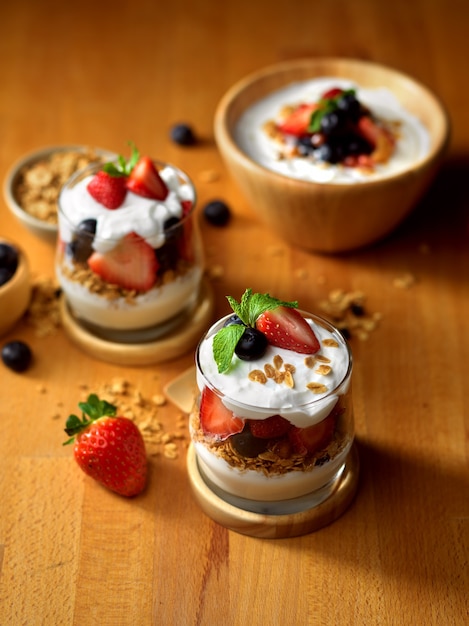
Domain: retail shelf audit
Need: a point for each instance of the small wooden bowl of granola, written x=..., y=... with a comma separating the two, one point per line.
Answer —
x=33, y=184
x=304, y=191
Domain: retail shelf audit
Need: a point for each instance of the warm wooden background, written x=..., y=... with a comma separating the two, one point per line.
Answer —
x=72, y=553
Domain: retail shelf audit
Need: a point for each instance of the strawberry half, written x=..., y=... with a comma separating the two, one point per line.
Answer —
x=313, y=438
x=144, y=180
x=270, y=428
x=131, y=264
x=109, y=449
x=110, y=191
x=377, y=136
x=215, y=418
x=285, y=327
x=297, y=122
x=334, y=92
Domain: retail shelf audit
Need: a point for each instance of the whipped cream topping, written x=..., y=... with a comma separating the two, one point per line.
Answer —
x=299, y=404
x=144, y=216
x=412, y=145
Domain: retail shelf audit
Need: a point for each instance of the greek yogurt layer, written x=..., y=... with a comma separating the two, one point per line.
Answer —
x=299, y=404
x=412, y=145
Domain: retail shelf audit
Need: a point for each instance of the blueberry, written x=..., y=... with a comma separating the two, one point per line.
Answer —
x=349, y=103
x=305, y=145
x=16, y=355
x=5, y=275
x=8, y=257
x=247, y=445
x=333, y=122
x=81, y=246
x=252, y=345
x=217, y=213
x=327, y=152
x=183, y=135
x=233, y=319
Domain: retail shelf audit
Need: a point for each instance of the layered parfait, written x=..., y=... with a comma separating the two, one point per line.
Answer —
x=330, y=130
x=129, y=256
x=273, y=420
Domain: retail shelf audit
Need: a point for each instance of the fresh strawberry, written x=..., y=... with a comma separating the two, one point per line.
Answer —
x=130, y=264
x=313, y=438
x=216, y=419
x=332, y=93
x=108, y=190
x=186, y=207
x=297, y=122
x=377, y=136
x=110, y=449
x=145, y=180
x=286, y=328
x=270, y=428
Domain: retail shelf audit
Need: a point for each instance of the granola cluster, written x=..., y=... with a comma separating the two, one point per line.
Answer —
x=38, y=185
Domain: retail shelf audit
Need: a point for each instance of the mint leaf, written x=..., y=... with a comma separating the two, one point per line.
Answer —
x=123, y=167
x=224, y=344
x=326, y=105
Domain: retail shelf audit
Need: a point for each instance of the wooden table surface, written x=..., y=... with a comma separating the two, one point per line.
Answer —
x=72, y=552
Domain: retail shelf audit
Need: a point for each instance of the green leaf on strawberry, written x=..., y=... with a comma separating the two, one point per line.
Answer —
x=94, y=408
x=123, y=167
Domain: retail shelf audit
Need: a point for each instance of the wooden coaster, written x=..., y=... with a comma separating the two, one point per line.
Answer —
x=170, y=346
x=276, y=526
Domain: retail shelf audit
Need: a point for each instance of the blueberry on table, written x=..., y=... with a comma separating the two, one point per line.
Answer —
x=217, y=213
x=183, y=135
x=17, y=356
x=5, y=276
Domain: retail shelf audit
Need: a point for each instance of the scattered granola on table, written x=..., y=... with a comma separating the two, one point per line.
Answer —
x=348, y=313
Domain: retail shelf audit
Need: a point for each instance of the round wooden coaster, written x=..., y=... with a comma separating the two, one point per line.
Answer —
x=276, y=526
x=172, y=345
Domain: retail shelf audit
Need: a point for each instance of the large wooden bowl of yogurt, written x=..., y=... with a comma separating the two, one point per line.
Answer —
x=325, y=209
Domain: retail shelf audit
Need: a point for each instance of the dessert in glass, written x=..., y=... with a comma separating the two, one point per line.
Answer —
x=272, y=425
x=129, y=258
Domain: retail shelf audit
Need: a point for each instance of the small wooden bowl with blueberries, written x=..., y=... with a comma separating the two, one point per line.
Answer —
x=332, y=154
x=15, y=285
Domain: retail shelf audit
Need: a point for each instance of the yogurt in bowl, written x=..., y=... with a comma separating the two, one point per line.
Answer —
x=129, y=258
x=285, y=132
x=275, y=427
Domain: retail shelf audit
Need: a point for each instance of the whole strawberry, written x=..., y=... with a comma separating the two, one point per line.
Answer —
x=110, y=449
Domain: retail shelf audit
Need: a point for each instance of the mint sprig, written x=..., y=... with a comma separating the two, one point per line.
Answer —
x=250, y=307
x=326, y=105
x=123, y=167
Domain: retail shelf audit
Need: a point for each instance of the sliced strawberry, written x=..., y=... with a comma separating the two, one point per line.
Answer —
x=297, y=122
x=216, y=419
x=379, y=137
x=145, y=180
x=270, y=428
x=108, y=190
x=286, y=328
x=313, y=438
x=186, y=207
x=131, y=264
x=332, y=93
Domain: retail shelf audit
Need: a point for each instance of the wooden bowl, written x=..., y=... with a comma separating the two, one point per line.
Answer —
x=328, y=217
x=45, y=229
x=15, y=294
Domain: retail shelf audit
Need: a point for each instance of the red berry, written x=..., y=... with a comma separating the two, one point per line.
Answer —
x=108, y=190
x=298, y=121
x=313, y=438
x=215, y=418
x=270, y=428
x=145, y=180
x=131, y=264
x=285, y=327
x=109, y=449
